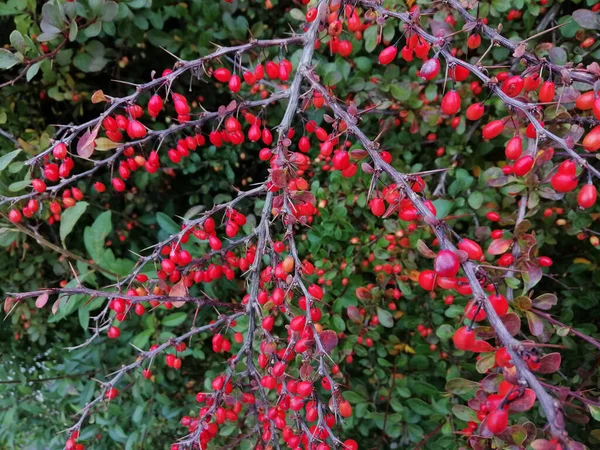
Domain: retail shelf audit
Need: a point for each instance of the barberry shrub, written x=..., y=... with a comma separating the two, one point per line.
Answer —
x=312, y=225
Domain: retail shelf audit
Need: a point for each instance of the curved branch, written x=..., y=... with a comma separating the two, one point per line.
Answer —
x=470, y=268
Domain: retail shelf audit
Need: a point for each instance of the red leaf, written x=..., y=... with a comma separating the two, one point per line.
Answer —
x=329, y=340
x=536, y=325
x=86, y=143
x=179, y=290
x=512, y=322
x=545, y=301
x=523, y=403
x=550, y=363
x=362, y=293
x=41, y=301
x=354, y=314
x=279, y=178
x=481, y=347
x=499, y=246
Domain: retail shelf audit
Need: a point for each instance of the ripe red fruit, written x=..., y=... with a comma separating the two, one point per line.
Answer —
x=545, y=261
x=222, y=74
x=451, y=103
x=492, y=129
x=298, y=323
x=523, y=165
x=591, y=142
x=304, y=388
x=475, y=111
x=118, y=184
x=513, y=86
x=377, y=206
x=114, y=332
x=514, y=148
x=499, y=303
x=585, y=101
x=350, y=444
x=235, y=83
x=503, y=358
x=38, y=185
x=547, y=92
x=407, y=54
x=427, y=279
x=135, y=129
x=15, y=216
x=587, y=196
x=497, y=421
x=532, y=82
x=463, y=338
x=446, y=264
x=60, y=150
x=155, y=105
x=341, y=160
x=472, y=248
x=387, y=55
x=345, y=409
x=563, y=182
x=111, y=393
x=474, y=41
x=459, y=73
x=430, y=69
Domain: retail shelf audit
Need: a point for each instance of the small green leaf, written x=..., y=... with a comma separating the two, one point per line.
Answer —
x=385, y=318
x=595, y=412
x=464, y=413
x=8, y=59
x=69, y=218
x=6, y=159
x=33, y=70
x=167, y=224
x=475, y=200
x=17, y=41
x=172, y=320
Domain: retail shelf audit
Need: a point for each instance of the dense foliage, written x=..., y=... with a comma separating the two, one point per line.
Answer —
x=304, y=209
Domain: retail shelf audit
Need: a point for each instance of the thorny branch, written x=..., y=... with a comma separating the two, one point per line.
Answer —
x=553, y=415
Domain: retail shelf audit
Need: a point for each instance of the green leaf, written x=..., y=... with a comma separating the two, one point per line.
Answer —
x=109, y=11
x=73, y=29
x=19, y=185
x=172, y=320
x=595, y=412
x=69, y=218
x=6, y=159
x=445, y=332
x=7, y=236
x=442, y=207
x=167, y=224
x=17, y=41
x=475, y=200
x=142, y=339
x=298, y=15
x=33, y=70
x=401, y=91
x=420, y=407
x=354, y=397
x=8, y=59
x=461, y=386
x=464, y=413
x=94, y=236
x=385, y=318
x=370, y=37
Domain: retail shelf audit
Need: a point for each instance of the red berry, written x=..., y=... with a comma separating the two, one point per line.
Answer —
x=387, y=55
x=464, y=338
x=497, y=421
